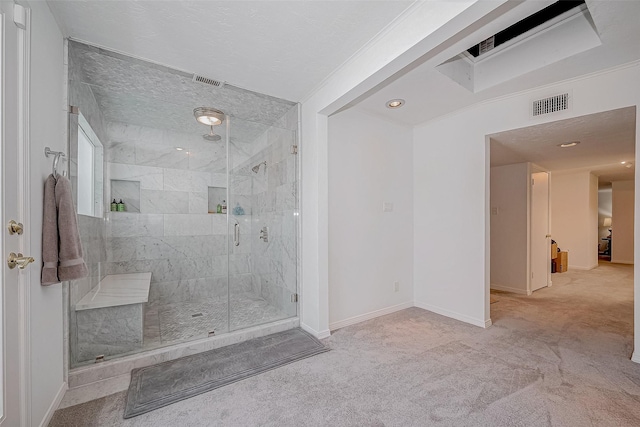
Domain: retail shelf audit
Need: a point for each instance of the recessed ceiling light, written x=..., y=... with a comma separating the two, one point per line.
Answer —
x=622, y=163
x=179, y=148
x=395, y=103
x=569, y=144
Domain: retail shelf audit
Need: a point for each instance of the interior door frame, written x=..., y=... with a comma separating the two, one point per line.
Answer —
x=534, y=169
x=22, y=21
x=24, y=206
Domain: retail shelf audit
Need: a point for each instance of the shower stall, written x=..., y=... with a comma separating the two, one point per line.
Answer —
x=187, y=197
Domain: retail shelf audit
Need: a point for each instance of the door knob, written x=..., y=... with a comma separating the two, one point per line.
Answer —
x=19, y=260
x=15, y=227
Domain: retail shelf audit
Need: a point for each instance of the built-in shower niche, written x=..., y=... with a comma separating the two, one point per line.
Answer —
x=216, y=196
x=128, y=192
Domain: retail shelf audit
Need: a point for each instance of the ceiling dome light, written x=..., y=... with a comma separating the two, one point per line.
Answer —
x=208, y=116
x=628, y=166
x=569, y=144
x=395, y=103
x=622, y=163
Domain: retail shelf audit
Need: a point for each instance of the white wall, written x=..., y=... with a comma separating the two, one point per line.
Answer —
x=369, y=163
x=454, y=280
x=510, y=227
x=574, y=216
x=622, y=245
x=47, y=128
x=421, y=29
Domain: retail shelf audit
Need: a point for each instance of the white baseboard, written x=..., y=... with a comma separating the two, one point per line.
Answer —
x=578, y=267
x=621, y=262
x=368, y=316
x=510, y=289
x=318, y=334
x=454, y=315
x=54, y=405
x=635, y=357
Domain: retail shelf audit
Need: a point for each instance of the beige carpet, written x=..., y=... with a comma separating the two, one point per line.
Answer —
x=557, y=358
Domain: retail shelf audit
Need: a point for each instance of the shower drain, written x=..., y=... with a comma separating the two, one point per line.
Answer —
x=196, y=315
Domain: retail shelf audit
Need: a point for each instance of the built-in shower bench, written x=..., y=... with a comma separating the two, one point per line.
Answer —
x=110, y=318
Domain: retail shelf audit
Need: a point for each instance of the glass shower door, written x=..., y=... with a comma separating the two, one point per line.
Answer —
x=263, y=224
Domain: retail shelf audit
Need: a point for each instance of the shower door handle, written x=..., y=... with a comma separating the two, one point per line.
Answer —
x=236, y=234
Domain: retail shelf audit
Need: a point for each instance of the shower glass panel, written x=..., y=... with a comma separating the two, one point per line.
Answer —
x=263, y=224
x=208, y=270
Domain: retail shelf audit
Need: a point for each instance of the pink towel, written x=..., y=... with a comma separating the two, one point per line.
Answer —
x=61, y=247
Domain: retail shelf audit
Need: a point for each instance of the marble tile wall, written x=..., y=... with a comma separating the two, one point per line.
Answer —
x=173, y=236
x=92, y=229
x=109, y=331
x=274, y=200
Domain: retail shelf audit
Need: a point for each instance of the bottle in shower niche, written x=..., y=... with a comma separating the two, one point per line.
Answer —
x=219, y=208
x=224, y=206
x=120, y=206
x=114, y=206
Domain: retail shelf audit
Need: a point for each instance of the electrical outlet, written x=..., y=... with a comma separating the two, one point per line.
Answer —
x=396, y=286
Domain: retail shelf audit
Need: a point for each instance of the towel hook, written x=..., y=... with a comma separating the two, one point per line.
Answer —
x=49, y=152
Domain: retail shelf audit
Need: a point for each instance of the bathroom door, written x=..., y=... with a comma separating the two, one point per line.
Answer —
x=13, y=409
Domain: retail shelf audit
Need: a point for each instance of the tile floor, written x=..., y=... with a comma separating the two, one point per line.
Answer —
x=181, y=321
x=190, y=320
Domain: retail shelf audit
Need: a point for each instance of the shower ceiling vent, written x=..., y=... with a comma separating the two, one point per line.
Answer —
x=207, y=81
x=550, y=105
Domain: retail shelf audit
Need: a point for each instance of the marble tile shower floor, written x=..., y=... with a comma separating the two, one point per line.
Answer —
x=183, y=321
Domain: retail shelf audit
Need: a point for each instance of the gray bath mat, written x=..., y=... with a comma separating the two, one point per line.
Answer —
x=159, y=385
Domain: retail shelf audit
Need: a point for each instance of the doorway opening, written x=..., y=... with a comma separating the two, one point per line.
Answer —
x=561, y=200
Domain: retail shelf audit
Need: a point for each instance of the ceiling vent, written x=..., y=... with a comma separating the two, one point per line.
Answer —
x=550, y=104
x=487, y=45
x=207, y=81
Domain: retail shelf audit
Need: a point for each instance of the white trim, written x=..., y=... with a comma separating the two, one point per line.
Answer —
x=635, y=357
x=578, y=267
x=24, y=209
x=510, y=289
x=453, y=315
x=370, y=315
x=54, y=405
x=621, y=262
x=320, y=335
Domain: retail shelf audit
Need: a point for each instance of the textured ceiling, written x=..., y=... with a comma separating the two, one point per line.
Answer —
x=280, y=48
x=430, y=94
x=606, y=139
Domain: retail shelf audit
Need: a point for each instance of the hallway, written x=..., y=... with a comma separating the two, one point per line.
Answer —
x=557, y=358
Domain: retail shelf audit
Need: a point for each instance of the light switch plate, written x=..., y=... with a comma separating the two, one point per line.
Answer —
x=387, y=207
